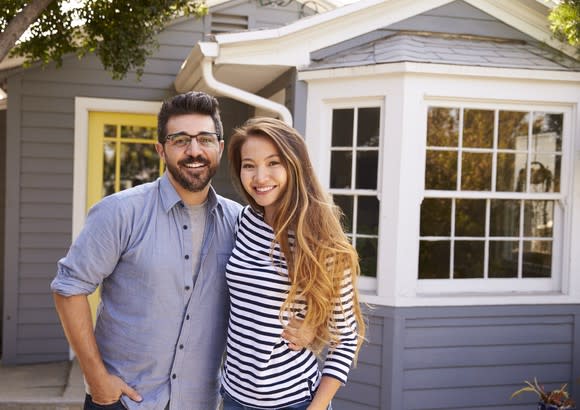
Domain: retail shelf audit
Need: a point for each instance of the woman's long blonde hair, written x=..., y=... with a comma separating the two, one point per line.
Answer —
x=322, y=253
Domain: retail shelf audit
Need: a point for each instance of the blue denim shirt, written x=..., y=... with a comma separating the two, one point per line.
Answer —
x=160, y=327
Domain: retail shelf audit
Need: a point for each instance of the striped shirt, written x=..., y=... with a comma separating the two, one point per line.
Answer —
x=260, y=370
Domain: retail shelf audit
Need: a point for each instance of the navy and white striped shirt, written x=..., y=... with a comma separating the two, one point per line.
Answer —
x=260, y=370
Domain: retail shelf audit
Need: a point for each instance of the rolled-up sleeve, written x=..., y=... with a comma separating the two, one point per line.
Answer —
x=95, y=252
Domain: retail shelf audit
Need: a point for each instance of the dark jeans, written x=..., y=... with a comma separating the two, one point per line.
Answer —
x=229, y=403
x=89, y=405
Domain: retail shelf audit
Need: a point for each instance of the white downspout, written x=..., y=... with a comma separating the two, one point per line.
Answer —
x=241, y=95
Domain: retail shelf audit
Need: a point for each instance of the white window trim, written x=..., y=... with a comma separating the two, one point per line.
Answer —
x=83, y=106
x=323, y=145
x=560, y=246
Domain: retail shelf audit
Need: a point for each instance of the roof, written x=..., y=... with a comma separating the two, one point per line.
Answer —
x=238, y=57
x=453, y=49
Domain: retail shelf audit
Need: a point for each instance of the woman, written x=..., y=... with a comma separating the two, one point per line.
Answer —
x=291, y=259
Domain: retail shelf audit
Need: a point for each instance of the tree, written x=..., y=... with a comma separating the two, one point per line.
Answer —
x=565, y=22
x=120, y=32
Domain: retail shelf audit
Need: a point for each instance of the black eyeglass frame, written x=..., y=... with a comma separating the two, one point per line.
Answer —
x=169, y=136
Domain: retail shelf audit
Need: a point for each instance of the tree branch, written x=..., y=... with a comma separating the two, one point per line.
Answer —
x=18, y=25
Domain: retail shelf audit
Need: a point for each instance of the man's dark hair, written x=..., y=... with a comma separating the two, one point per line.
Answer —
x=192, y=102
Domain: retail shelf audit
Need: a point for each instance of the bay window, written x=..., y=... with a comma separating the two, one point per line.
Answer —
x=493, y=203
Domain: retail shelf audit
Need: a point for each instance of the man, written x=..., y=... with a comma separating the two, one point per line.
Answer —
x=159, y=252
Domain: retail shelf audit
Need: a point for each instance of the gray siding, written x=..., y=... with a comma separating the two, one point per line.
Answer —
x=459, y=17
x=2, y=211
x=462, y=357
x=40, y=137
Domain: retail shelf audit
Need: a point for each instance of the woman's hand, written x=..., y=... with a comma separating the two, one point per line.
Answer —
x=297, y=335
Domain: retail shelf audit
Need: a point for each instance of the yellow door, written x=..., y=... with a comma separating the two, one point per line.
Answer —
x=121, y=154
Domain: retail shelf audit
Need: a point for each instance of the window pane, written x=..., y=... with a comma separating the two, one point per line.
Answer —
x=538, y=218
x=476, y=172
x=368, y=215
x=478, y=128
x=505, y=217
x=513, y=130
x=547, y=132
x=434, y=259
x=503, y=259
x=139, y=164
x=545, y=173
x=130, y=131
x=110, y=131
x=367, y=252
x=443, y=127
x=342, y=127
x=468, y=260
x=345, y=203
x=511, y=172
x=537, y=261
x=436, y=217
x=441, y=170
x=367, y=166
x=340, y=169
x=470, y=217
x=109, y=160
x=369, y=120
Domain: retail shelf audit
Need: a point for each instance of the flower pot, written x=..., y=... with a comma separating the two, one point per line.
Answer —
x=543, y=406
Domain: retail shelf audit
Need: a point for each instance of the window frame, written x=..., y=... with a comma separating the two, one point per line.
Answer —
x=83, y=106
x=365, y=283
x=562, y=209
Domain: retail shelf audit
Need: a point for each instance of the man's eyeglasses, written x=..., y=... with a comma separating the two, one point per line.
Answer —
x=182, y=139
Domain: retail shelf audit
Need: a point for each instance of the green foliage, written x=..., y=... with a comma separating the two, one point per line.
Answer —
x=565, y=22
x=120, y=32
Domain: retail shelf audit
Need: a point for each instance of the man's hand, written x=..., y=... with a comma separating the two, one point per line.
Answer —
x=109, y=389
x=297, y=335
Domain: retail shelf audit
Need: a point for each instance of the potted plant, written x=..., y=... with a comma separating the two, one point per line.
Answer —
x=558, y=399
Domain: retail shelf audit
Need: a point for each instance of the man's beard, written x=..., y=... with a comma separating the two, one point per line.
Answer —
x=192, y=183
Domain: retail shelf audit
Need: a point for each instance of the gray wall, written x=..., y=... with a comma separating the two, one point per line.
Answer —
x=463, y=357
x=40, y=168
x=459, y=17
x=2, y=208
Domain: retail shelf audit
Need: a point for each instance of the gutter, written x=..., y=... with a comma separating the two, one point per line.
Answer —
x=239, y=94
x=198, y=68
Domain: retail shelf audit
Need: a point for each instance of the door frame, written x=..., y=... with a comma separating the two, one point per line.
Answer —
x=83, y=106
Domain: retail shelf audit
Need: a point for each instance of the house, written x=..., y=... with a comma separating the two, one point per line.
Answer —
x=448, y=132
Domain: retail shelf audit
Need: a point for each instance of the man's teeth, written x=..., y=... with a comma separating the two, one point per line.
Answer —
x=194, y=165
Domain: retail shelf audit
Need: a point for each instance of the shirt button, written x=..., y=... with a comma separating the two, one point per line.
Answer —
x=187, y=288
x=181, y=346
x=184, y=226
x=186, y=256
x=173, y=376
x=187, y=317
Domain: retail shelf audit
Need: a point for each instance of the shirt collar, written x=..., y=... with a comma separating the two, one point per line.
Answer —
x=170, y=197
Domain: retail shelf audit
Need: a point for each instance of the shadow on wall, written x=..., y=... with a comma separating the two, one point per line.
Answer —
x=234, y=114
